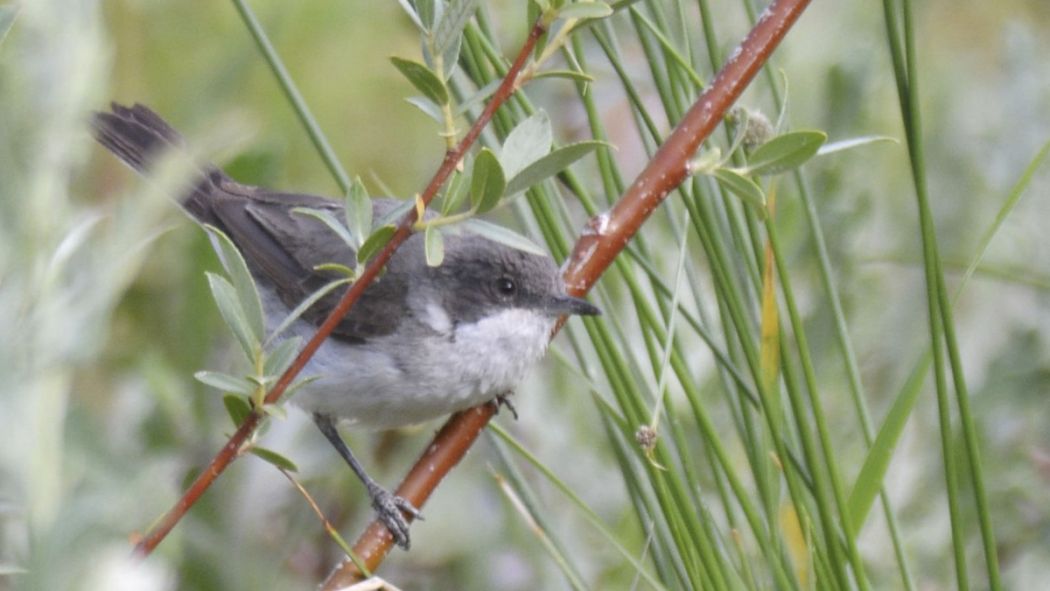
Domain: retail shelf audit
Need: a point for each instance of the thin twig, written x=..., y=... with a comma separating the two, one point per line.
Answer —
x=229, y=451
x=606, y=235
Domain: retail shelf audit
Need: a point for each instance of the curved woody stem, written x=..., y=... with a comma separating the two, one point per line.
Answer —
x=603, y=239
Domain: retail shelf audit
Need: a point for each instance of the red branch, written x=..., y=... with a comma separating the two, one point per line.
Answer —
x=233, y=447
x=606, y=235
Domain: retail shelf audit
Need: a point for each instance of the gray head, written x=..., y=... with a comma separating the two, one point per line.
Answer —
x=480, y=277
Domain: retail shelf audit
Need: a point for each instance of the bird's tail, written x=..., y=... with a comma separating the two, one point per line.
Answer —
x=138, y=136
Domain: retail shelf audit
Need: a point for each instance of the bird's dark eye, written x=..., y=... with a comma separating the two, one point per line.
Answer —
x=506, y=286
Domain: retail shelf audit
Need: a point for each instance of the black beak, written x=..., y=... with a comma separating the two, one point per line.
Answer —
x=565, y=304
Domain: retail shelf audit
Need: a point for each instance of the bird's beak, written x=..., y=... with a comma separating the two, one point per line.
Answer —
x=566, y=304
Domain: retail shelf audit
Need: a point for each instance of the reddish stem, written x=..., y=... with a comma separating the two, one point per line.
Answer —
x=607, y=234
x=231, y=450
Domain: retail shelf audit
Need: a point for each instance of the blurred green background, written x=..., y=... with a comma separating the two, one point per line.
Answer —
x=102, y=323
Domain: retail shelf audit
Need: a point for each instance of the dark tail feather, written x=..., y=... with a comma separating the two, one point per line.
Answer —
x=135, y=134
x=138, y=136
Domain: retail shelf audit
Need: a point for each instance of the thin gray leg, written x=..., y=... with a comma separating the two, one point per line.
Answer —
x=388, y=506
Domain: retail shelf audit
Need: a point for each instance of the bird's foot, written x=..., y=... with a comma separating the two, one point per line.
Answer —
x=391, y=510
x=504, y=400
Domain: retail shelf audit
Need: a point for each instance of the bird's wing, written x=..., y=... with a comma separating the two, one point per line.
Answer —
x=287, y=248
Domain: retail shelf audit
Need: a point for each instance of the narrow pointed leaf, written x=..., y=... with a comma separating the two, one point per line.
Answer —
x=785, y=152
x=456, y=192
x=305, y=305
x=237, y=408
x=877, y=462
x=412, y=14
x=337, y=269
x=329, y=220
x=358, y=213
x=225, y=382
x=376, y=241
x=428, y=107
x=742, y=187
x=567, y=74
x=243, y=283
x=502, y=235
x=429, y=12
x=274, y=458
x=433, y=246
x=448, y=35
x=393, y=217
x=855, y=142
x=487, y=181
x=526, y=143
x=229, y=307
x=282, y=356
x=550, y=165
x=421, y=77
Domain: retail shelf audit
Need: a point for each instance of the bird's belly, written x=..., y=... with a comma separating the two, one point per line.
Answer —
x=396, y=381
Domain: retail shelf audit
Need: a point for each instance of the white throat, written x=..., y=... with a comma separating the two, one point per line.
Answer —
x=498, y=350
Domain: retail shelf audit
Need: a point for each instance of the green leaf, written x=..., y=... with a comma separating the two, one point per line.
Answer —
x=225, y=382
x=550, y=165
x=526, y=143
x=329, y=220
x=394, y=216
x=450, y=58
x=585, y=10
x=449, y=33
x=785, y=152
x=855, y=142
x=237, y=408
x=226, y=299
x=455, y=193
x=873, y=471
x=487, y=181
x=429, y=11
x=413, y=15
x=268, y=455
x=428, y=107
x=306, y=305
x=337, y=269
x=568, y=74
x=358, y=213
x=243, y=283
x=375, y=242
x=502, y=235
x=282, y=355
x=425, y=81
x=433, y=246
x=742, y=187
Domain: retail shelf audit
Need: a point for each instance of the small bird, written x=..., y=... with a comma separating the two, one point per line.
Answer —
x=422, y=341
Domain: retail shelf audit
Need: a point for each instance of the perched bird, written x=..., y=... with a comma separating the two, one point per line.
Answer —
x=422, y=341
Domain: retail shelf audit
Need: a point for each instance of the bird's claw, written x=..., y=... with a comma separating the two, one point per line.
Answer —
x=391, y=510
x=504, y=400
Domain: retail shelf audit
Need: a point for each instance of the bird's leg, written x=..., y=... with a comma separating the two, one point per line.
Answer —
x=504, y=400
x=388, y=506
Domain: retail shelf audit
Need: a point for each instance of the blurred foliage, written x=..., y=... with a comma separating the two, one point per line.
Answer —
x=105, y=312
